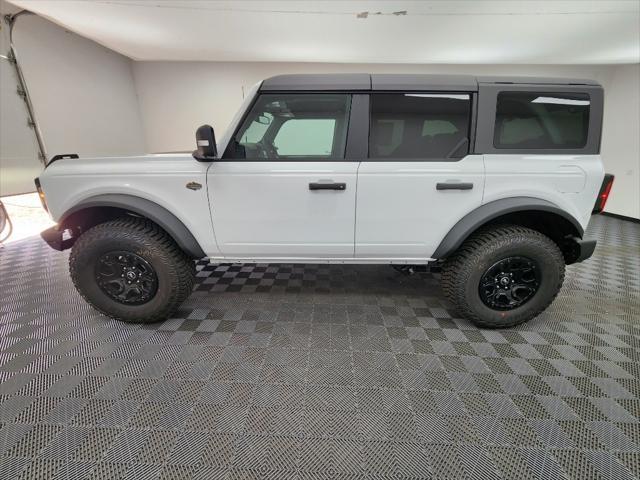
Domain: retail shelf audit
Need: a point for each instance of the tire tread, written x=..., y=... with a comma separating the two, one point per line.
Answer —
x=182, y=267
x=462, y=260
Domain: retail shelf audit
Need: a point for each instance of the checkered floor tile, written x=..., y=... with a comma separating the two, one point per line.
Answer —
x=318, y=372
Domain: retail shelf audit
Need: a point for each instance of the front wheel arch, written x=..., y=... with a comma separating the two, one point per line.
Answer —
x=101, y=208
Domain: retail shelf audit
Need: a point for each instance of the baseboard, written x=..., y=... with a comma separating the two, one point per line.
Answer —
x=621, y=217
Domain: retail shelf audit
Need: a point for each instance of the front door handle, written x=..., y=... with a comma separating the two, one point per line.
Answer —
x=454, y=186
x=327, y=186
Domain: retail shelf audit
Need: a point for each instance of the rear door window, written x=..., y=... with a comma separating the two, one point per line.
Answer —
x=419, y=126
x=540, y=120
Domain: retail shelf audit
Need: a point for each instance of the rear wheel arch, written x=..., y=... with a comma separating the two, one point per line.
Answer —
x=534, y=213
x=102, y=208
x=464, y=275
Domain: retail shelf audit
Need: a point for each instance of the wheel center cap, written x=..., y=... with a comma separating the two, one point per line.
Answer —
x=131, y=275
x=504, y=280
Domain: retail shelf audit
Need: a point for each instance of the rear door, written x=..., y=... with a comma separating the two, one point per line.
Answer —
x=418, y=179
x=283, y=188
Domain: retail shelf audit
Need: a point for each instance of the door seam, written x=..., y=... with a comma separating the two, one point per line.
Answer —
x=355, y=212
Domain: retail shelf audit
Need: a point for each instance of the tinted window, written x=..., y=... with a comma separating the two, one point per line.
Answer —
x=256, y=129
x=419, y=125
x=541, y=120
x=306, y=136
x=293, y=125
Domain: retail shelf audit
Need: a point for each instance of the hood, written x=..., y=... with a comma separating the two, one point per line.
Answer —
x=138, y=164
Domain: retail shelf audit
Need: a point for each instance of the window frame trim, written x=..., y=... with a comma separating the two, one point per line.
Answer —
x=487, y=109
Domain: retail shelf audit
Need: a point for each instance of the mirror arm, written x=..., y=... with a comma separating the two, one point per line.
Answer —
x=202, y=158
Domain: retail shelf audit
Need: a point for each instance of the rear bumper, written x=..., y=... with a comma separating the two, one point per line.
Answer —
x=55, y=238
x=583, y=249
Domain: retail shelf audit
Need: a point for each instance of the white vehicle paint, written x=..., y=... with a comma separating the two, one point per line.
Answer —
x=161, y=179
x=264, y=211
x=400, y=212
x=571, y=182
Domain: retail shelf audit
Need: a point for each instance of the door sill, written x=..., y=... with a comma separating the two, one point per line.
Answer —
x=314, y=260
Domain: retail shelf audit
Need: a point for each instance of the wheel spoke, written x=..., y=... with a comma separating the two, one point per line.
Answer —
x=126, y=277
x=509, y=283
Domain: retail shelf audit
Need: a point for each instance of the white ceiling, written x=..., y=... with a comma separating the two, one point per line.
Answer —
x=454, y=32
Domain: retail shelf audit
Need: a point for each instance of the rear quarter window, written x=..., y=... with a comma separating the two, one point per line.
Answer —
x=541, y=120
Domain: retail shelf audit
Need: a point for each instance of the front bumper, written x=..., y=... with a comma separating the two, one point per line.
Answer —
x=56, y=238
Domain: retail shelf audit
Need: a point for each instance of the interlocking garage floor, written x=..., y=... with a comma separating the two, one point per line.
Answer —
x=320, y=372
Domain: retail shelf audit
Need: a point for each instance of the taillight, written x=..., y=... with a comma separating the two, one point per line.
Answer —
x=603, y=194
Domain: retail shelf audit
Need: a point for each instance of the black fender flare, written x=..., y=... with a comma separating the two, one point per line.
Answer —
x=144, y=208
x=489, y=211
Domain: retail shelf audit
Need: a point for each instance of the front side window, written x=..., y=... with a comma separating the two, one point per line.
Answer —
x=539, y=120
x=290, y=126
x=419, y=125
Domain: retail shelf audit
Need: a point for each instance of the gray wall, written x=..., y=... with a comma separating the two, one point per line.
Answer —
x=83, y=94
x=177, y=97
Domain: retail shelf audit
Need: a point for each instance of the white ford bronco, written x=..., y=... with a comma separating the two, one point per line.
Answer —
x=495, y=179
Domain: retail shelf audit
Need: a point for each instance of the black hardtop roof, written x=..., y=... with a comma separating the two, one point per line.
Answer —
x=386, y=81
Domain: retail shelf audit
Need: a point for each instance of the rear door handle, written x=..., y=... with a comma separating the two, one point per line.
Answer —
x=454, y=186
x=327, y=186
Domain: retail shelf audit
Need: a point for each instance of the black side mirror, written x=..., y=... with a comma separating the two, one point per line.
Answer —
x=206, y=150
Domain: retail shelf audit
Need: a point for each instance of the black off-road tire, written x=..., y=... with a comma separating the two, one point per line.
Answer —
x=174, y=270
x=462, y=272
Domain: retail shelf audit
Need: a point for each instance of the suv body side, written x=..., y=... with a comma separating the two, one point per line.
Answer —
x=495, y=179
x=391, y=209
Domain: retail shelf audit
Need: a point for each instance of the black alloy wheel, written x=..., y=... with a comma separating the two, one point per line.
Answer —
x=126, y=277
x=510, y=283
x=130, y=269
x=503, y=275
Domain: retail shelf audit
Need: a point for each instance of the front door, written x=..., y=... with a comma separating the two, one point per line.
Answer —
x=283, y=189
x=418, y=179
